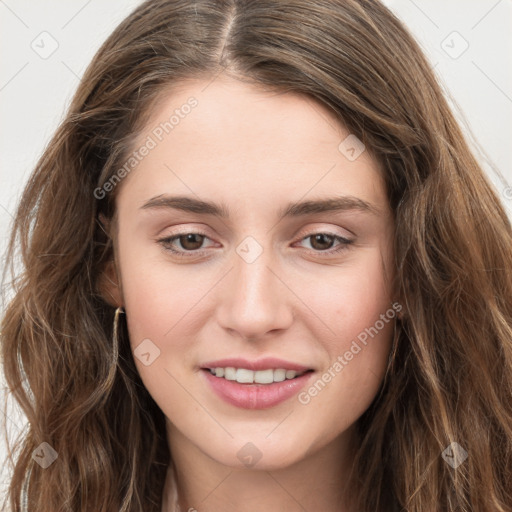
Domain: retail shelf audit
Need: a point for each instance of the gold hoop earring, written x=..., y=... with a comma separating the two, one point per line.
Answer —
x=115, y=340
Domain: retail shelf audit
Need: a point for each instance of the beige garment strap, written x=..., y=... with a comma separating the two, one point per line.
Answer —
x=175, y=506
x=24, y=491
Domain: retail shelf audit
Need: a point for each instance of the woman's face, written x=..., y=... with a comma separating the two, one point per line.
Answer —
x=262, y=187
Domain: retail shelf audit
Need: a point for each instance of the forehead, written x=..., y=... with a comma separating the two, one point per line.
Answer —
x=228, y=135
x=228, y=107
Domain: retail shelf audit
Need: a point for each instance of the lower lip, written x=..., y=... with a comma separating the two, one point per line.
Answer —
x=255, y=396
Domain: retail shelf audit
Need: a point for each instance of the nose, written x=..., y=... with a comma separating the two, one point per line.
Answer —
x=255, y=298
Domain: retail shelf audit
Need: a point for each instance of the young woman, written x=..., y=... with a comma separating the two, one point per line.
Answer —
x=262, y=271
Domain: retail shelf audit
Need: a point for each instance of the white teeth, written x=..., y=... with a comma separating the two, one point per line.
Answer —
x=229, y=373
x=279, y=375
x=264, y=376
x=244, y=376
x=290, y=374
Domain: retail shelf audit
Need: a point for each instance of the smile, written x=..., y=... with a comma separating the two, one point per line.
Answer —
x=245, y=376
x=251, y=394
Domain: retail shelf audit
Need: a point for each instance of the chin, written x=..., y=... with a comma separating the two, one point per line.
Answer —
x=260, y=454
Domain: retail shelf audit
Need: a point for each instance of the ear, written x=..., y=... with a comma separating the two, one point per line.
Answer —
x=109, y=284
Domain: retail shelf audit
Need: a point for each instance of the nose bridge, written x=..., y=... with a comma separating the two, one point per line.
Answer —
x=255, y=301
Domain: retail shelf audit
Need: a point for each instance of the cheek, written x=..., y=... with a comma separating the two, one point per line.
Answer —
x=344, y=390
x=156, y=295
x=158, y=304
x=352, y=300
x=357, y=307
x=165, y=310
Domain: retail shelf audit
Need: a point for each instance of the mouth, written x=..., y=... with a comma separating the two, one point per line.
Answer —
x=255, y=389
x=246, y=376
x=255, y=383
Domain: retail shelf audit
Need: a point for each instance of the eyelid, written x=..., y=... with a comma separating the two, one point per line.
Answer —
x=321, y=228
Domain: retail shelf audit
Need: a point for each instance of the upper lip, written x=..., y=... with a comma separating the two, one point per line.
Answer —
x=260, y=364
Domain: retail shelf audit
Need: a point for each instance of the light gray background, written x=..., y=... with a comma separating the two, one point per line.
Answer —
x=35, y=88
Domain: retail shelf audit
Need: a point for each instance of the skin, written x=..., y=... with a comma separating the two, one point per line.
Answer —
x=255, y=152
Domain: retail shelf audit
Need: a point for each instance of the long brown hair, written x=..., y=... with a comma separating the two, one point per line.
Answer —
x=450, y=379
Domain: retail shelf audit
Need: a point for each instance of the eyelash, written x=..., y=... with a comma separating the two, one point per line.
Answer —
x=166, y=243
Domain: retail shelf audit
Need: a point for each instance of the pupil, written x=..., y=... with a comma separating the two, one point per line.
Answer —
x=321, y=237
x=189, y=238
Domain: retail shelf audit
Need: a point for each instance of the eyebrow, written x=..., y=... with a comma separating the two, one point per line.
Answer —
x=297, y=209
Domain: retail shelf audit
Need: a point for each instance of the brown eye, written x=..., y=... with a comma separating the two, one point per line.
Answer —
x=191, y=241
x=184, y=244
x=321, y=241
